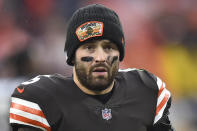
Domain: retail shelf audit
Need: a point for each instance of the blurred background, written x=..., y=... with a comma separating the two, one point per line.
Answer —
x=161, y=36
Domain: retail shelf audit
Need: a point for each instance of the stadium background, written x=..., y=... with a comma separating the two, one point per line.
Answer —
x=161, y=36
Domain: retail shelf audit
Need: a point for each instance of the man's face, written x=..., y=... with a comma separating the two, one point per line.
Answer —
x=96, y=64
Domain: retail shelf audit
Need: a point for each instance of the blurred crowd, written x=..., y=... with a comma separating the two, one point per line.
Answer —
x=161, y=36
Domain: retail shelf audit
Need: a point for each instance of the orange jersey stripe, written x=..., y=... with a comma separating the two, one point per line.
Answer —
x=27, y=109
x=29, y=121
x=161, y=89
x=163, y=102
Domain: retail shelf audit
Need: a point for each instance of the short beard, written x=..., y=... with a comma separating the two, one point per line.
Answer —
x=86, y=79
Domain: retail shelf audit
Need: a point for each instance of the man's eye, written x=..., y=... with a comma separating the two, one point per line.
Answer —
x=89, y=48
x=108, y=48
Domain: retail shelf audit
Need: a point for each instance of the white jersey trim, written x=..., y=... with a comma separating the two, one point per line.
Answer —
x=29, y=116
x=25, y=103
x=127, y=70
x=21, y=110
x=162, y=99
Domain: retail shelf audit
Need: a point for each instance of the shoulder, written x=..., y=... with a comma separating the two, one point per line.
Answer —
x=147, y=78
x=136, y=72
x=42, y=88
x=154, y=84
x=32, y=102
x=41, y=83
x=127, y=75
x=31, y=87
x=40, y=80
x=26, y=107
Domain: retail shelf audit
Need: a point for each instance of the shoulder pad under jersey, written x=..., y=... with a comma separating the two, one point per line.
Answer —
x=26, y=108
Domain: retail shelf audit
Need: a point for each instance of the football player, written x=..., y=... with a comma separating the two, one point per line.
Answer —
x=98, y=96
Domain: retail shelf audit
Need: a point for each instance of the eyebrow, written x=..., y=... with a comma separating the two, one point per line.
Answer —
x=108, y=41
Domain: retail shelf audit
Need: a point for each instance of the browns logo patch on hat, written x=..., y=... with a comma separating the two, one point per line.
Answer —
x=89, y=29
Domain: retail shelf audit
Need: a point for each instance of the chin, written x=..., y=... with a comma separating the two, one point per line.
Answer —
x=100, y=81
x=99, y=85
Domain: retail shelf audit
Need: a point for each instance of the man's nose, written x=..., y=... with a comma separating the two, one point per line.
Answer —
x=100, y=55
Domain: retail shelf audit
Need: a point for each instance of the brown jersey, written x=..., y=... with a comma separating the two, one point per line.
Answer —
x=139, y=102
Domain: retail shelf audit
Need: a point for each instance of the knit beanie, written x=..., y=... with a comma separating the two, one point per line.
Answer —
x=93, y=22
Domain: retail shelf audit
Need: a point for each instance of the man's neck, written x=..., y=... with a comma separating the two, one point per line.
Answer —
x=88, y=91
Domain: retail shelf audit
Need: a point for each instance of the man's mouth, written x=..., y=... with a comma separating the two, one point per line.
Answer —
x=100, y=71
